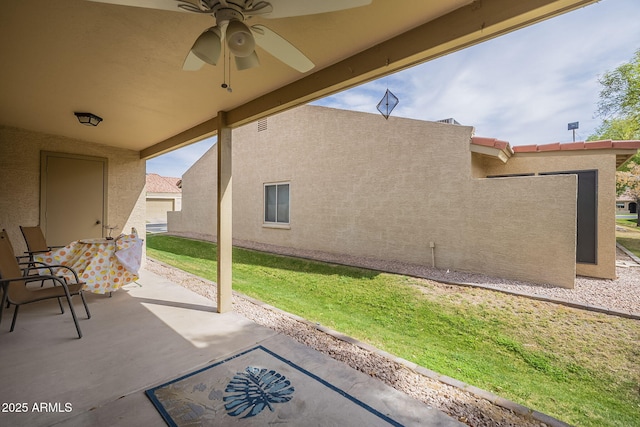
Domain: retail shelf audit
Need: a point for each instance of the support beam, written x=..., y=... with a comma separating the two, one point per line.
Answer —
x=225, y=293
x=194, y=134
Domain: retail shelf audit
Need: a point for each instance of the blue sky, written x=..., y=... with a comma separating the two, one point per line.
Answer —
x=523, y=87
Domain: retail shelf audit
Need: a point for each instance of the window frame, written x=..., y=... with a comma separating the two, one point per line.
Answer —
x=276, y=223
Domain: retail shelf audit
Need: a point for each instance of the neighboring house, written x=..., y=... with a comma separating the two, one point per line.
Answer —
x=625, y=204
x=163, y=195
x=354, y=184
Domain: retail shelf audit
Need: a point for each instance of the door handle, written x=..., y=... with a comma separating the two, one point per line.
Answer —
x=98, y=222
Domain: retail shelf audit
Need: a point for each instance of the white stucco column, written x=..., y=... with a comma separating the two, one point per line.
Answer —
x=224, y=214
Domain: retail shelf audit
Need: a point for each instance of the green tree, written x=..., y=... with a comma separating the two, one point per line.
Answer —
x=619, y=104
x=620, y=94
x=619, y=108
x=618, y=129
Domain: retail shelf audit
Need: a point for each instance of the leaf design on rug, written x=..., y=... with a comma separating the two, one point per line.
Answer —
x=255, y=389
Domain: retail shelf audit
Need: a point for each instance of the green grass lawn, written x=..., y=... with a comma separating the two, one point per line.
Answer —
x=630, y=237
x=577, y=366
x=628, y=223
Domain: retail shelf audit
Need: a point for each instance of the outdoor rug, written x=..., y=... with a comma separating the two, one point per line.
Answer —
x=258, y=387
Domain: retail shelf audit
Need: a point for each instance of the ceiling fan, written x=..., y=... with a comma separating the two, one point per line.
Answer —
x=230, y=27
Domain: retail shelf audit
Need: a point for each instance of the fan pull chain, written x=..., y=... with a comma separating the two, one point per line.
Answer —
x=229, y=88
x=226, y=60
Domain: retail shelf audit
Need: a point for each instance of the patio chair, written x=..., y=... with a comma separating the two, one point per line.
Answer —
x=27, y=263
x=35, y=240
x=15, y=291
x=22, y=261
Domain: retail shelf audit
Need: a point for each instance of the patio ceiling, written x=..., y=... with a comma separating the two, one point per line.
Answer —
x=124, y=63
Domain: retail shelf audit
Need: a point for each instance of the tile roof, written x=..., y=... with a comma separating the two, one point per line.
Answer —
x=621, y=157
x=490, y=142
x=162, y=184
x=557, y=146
x=573, y=146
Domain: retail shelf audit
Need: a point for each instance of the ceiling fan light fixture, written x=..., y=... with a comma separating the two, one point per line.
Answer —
x=246, y=62
x=207, y=47
x=239, y=39
x=88, y=119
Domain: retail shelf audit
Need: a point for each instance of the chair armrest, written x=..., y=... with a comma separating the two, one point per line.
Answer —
x=31, y=278
x=39, y=277
x=11, y=279
x=33, y=265
x=30, y=254
x=50, y=267
x=35, y=278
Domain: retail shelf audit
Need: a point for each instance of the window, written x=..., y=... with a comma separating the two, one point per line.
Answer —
x=276, y=203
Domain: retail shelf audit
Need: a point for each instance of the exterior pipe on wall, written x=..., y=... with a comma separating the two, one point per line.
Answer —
x=432, y=245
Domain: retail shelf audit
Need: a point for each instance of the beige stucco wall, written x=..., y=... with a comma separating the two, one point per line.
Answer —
x=526, y=222
x=197, y=218
x=20, y=176
x=364, y=186
x=604, y=162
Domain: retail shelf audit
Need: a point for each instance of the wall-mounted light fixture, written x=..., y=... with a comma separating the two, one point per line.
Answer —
x=88, y=119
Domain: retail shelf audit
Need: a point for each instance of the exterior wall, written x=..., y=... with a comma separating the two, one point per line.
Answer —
x=199, y=196
x=520, y=234
x=605, y=163
x=385, y=189
x=358, y=186
x=20, y=176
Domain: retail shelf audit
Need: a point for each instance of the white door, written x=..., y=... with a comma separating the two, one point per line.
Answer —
x=72, y=197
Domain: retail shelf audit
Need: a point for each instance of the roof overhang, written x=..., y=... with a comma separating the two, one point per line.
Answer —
x=124, y=63
x=491, y=147
x=502, y=150
x=623, y=150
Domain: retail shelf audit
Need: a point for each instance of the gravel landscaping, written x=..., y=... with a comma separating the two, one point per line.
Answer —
x=475, y=408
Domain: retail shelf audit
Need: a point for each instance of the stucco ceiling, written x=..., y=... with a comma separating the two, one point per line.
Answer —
x=124, y=63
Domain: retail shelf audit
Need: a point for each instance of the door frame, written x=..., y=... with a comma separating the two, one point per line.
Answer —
x=44, y=157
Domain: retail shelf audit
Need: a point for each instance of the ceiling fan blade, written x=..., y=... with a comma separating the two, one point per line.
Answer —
x=173, y=5
x=287, y=8
x=259, y=8
x=275, y=45
x=192, y=62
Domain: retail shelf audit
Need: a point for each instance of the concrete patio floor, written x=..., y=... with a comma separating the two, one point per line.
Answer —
x=145, y=335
